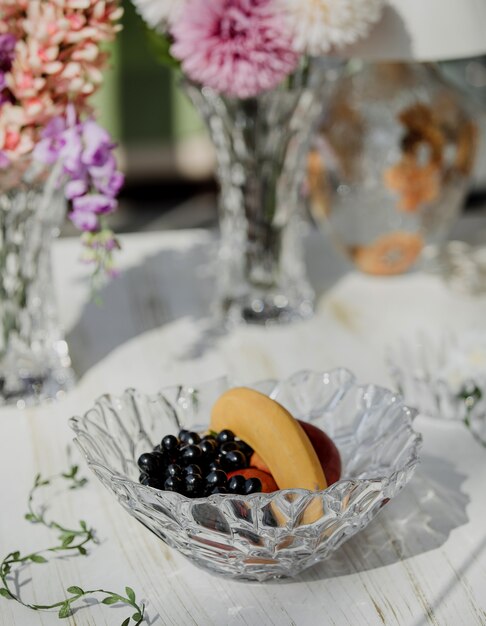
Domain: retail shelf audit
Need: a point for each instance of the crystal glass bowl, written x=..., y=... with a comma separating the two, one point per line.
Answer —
x=239, y=536
x=443, y=376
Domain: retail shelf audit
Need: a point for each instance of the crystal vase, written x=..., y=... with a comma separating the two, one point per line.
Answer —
x=261, y=145
x=34, y=358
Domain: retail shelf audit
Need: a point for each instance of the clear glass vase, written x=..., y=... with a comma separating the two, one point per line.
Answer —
x=34, y=358
x=261, y=145
x=390, y=169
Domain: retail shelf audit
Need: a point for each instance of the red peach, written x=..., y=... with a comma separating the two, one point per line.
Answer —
x=324, y=447
x=326, y=451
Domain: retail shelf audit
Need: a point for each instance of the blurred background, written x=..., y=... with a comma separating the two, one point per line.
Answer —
x=163, y=147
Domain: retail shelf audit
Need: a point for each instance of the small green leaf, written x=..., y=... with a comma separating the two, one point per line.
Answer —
x=36, y=558
x=75, y=590
x=64, y=611
x=71, y=473
x=30, y=517
x=5, y=593
x=161, y=45
x=15, y=555
x=83, y=525
x=130, y=594
x=136, y=617
x=126, y=622
x=82, y=550
x=110, y=600
x=68, y=539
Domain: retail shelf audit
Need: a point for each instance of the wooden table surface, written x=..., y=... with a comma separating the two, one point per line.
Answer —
x=422, y=561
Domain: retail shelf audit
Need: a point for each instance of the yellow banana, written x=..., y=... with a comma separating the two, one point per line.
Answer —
x=274, y=434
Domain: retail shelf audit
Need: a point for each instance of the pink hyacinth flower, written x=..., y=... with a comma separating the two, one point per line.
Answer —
x=238, y=47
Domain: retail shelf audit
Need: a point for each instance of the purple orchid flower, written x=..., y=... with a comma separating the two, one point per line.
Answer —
x=48, y=149
x=70, y=153
x=85, y=221
x=106, y=178
x=76, y=188
x=94, y=203
x=98, y=145
x=111, y=186
x=85, y=151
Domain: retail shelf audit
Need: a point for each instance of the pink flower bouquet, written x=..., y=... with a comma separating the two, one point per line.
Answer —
x=241, y=48
x=51, y=62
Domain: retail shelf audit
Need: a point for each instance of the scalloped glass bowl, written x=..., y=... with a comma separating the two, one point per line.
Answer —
x=239, y=536
x=443, y=376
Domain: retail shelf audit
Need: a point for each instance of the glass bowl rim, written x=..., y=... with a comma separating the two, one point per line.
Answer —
x=409, y=413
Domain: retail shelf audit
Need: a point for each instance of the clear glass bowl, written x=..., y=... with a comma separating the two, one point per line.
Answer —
x=238, y=536
x=443, y=376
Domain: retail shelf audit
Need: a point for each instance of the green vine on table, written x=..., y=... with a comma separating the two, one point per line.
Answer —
x=471, y=395
x=70, y=541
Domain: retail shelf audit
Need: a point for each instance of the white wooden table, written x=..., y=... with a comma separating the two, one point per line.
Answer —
x=423, y=560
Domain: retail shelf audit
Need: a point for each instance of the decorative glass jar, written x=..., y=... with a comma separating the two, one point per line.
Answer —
x=34, y=358
x=390, y=168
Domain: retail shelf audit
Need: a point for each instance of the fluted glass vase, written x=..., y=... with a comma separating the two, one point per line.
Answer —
x=261, y=145
x=34, y=359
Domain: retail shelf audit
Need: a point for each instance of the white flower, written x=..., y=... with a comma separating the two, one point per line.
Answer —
x=319, y=25
x=159, y=14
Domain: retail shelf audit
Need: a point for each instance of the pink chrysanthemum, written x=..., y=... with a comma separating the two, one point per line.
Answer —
x=238, y=47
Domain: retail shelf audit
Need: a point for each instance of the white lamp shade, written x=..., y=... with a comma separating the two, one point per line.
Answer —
x=426, y=30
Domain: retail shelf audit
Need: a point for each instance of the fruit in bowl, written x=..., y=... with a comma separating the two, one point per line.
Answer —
x=284, y=452
x=268, y=533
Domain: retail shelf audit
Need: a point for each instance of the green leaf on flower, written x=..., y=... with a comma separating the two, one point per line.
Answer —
x=37, y=558
x=110, y=600
x=136, y=617
x=40, y=482
x=126, y=622
x=30, y=517
x=64, y=611
x=130, y=594
x=5, y=593
x=67, y=540
x=77, y=591
x=82, y=550
x=160, y=44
